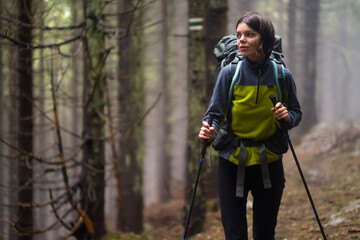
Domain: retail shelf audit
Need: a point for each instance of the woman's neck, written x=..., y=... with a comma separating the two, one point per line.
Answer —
x=259, y=59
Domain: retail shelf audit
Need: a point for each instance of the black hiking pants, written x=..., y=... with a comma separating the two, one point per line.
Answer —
x=266, y=202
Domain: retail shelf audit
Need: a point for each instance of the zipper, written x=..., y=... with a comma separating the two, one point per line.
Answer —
x=258, y=86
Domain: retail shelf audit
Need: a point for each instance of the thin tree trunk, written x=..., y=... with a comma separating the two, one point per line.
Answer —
x=2, y=130
x=178, y=96
x=76, y=77
x=154, y=174
x=25, y=138
x=41, y=216
x=343, y=86
x=11, y=166
x=291, y=37
x=130, y=202
x=197, y=107
x=93, y=182
x=215, y=28
x=308, y=63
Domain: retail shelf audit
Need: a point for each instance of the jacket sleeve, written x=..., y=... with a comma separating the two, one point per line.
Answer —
x=292, y=103
x=218, y=102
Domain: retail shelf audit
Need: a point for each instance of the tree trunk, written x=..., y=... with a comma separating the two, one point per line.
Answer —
x=93, y=182
x=197, y=106
x=343, y=85
x=291, y=37
x=179, y=96
x=10, y=166
x=3, y=176
x=308, y=64
x=76, y=76
x=41, y=216
x=25, y=137
x=130, y=202
x=215, y=28
x=154, y=175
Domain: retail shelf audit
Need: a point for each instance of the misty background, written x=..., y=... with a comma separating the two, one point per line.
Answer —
x=101, y=102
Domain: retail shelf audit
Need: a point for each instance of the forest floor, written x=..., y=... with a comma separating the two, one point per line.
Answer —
x=330, y=160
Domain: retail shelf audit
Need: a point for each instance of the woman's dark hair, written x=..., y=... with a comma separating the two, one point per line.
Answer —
x=262, y=24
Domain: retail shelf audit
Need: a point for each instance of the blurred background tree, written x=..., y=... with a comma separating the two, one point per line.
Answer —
x=102, y=102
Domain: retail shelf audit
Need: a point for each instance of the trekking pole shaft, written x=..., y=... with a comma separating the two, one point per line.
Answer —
x=307, y=189
x=192, y=201
x=282, y=123
x=203, y=152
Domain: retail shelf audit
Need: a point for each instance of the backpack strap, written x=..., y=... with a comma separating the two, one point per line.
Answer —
x=279, y=80
x=234, y=77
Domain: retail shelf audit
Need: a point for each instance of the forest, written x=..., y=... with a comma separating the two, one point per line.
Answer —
x=102, y=102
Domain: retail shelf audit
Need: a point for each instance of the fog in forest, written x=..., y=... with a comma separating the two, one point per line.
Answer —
x=102, y=101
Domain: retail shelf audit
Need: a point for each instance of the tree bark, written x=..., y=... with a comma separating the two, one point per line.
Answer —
x=93, y=182
x=215, y=29
x=3, y=175
x=76, y=76
x=25, y=137
x=291, y=37
x=197, y=106
x=155, y=178
x=308, y=64
x=130, y=201
x=178, y=95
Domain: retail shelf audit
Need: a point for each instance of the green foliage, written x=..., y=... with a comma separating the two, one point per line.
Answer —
x=217, y=4
x=57, y=14
x=115, y=236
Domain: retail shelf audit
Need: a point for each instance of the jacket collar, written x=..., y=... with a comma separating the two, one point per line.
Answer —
x=255, y=66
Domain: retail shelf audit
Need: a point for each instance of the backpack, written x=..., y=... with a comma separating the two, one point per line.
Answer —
x=226, y=52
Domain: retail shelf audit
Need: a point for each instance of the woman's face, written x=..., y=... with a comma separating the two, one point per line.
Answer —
x=248, y=42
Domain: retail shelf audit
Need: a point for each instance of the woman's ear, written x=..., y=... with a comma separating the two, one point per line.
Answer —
x=260, y=48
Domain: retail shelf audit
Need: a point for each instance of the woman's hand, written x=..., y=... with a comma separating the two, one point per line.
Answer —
x=206, y=132
x=280, y=112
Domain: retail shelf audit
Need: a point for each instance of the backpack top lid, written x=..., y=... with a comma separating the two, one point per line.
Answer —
x=226, y=50
x=225, y=46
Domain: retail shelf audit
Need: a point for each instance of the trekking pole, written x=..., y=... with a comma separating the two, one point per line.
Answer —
x=274, y=101
x=202, y=155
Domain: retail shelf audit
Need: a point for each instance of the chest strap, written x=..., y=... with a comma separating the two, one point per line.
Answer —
x=240, y=178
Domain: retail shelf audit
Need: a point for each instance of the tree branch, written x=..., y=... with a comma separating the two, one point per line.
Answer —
x=39, y=46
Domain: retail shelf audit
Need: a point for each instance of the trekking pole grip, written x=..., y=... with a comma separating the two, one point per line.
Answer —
x=206, y=143
x=274, y=101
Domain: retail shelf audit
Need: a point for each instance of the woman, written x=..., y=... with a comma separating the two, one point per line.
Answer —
x=246, y=163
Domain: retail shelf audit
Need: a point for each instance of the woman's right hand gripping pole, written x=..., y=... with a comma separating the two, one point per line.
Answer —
x=207, y=132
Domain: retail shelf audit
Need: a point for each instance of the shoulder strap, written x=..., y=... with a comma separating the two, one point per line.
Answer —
x=279, y=79
x=231, y=89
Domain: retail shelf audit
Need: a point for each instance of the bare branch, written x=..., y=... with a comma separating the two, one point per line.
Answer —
x=149, y=110
x=27, y=45
x=81, y=213
x=33, y=26
x=28, y=154
x=55, y=212
x=97, y=77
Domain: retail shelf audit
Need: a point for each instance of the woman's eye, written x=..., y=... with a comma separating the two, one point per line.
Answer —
x=247, y=34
